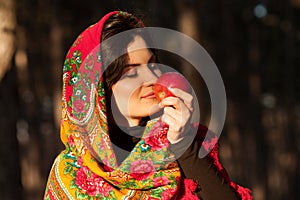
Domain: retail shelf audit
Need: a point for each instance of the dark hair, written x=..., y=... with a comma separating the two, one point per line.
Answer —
x=118, y=23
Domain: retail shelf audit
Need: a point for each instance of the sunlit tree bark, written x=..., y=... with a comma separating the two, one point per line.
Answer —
x=7, y=36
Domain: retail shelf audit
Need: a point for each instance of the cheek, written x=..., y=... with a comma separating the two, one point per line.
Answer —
x=124, y=89
x=125, y=94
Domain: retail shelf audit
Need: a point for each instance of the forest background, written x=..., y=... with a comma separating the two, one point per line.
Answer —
x=255, y=45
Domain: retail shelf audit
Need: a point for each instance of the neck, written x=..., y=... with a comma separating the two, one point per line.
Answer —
x=133, y=122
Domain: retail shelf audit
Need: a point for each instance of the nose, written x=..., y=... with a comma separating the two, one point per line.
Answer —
x=149, y=76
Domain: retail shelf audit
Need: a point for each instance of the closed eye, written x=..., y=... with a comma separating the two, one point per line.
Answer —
x=130, y=72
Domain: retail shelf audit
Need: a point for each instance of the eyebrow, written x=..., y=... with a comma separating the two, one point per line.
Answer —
x=151, y=59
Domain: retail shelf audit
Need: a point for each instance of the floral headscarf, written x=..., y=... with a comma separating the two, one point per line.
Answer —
x=88, y=168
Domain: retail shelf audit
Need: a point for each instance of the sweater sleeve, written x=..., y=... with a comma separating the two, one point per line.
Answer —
x=212, y=178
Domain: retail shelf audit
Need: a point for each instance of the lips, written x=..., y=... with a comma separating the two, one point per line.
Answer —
x=149, y=95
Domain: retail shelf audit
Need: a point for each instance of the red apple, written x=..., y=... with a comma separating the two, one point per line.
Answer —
x=170, y=80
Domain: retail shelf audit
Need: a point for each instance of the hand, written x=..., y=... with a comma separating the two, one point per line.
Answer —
x=177, y=113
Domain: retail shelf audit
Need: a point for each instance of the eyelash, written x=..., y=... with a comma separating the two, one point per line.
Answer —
x=131, y=72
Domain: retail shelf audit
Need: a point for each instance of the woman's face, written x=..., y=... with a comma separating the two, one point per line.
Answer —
x=134, y=91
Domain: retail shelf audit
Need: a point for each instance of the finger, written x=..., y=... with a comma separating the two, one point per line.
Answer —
x=186, y=97
x=172, y=122
x=177, y=110
x=171, y=101
x=181, y=117
x=176, y=103
x=175, y=114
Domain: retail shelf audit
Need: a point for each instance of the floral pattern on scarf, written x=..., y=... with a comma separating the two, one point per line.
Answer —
x=87, y=169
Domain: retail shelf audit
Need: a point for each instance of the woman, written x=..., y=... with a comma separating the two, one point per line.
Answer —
x=113, y=149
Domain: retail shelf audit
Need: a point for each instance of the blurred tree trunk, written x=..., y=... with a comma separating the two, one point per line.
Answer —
x=10, y=183
x=189, y=13
x=7, y=36
x=38, y=60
